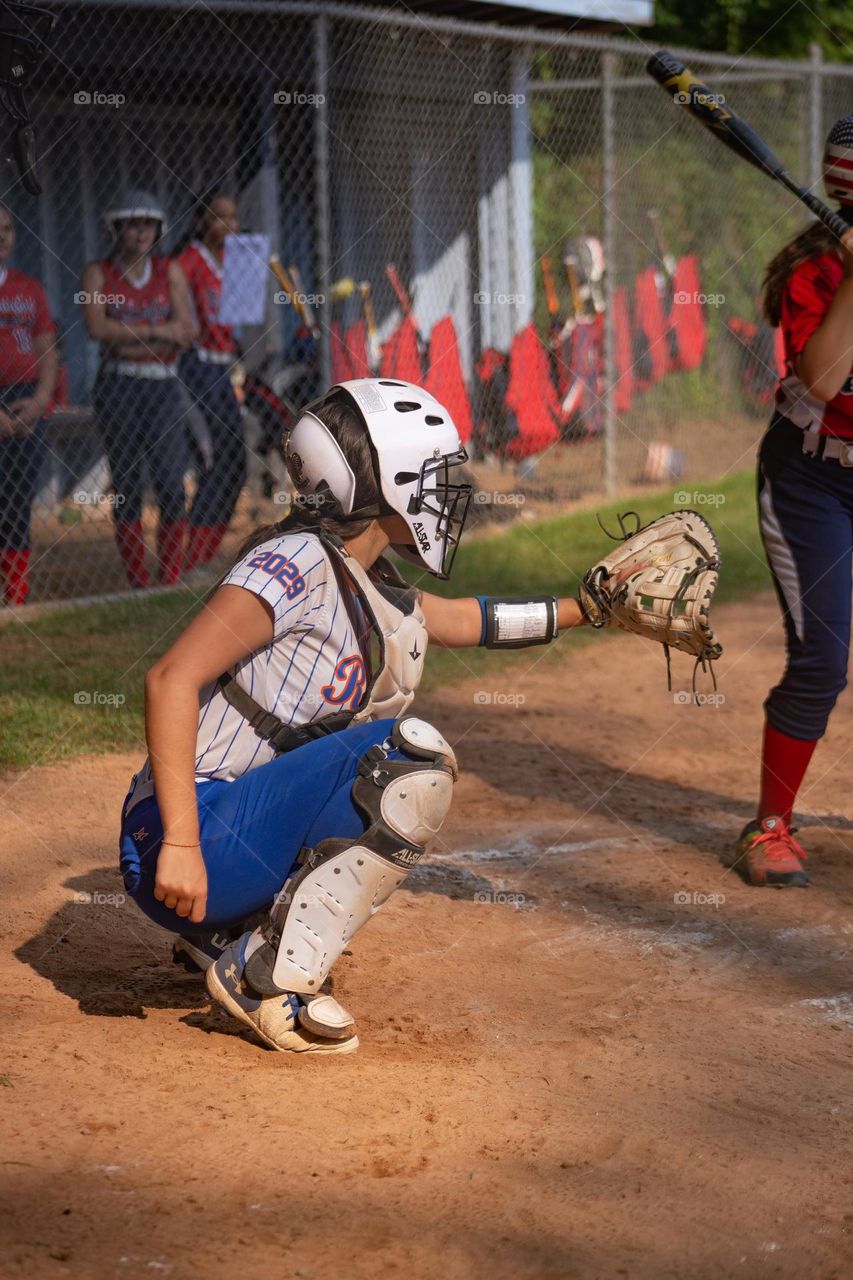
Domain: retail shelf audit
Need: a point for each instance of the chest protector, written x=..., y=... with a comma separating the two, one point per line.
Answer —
x=398, y=633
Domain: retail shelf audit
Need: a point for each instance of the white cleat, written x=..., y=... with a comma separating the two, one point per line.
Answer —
x=280, y=1021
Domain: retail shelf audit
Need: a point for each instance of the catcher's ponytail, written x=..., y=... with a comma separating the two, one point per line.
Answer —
x=810, y=243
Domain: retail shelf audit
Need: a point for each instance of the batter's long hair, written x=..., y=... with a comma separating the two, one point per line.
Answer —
x=335, y=411
x=810, y=243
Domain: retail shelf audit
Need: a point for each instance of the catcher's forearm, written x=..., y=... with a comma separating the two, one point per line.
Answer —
x=569, y=614
x=498, y=622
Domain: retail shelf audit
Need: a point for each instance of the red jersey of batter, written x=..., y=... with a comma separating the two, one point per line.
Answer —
x=145, y=301
x=807, y=298
x=24, y=315
x=204, y=274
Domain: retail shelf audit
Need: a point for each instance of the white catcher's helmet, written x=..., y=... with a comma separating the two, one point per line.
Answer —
x=414, y=443
x=134, y=204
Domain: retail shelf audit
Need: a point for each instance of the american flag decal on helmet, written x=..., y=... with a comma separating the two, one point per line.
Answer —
x=838, y=161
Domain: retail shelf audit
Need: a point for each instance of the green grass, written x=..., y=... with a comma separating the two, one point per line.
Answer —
x=105, y=649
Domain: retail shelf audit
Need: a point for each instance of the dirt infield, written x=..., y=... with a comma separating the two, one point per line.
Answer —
x=588, y=1050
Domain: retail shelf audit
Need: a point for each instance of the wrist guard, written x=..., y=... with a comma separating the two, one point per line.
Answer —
x=515, y=622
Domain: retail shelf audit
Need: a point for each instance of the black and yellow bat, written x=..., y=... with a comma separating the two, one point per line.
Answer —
x=710, y=110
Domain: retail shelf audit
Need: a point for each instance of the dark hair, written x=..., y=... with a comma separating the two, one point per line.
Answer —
x=813, y=241
x=337, y=412
x=197, y=214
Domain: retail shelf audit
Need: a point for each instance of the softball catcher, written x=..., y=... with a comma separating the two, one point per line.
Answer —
x=287, y=774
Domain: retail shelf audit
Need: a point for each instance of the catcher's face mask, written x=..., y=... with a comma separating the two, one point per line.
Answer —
x=24, y=32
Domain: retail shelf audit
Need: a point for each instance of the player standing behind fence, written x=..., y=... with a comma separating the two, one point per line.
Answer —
x=27, y=375
x=805, y=487
x=137, y=306
x=206, y=374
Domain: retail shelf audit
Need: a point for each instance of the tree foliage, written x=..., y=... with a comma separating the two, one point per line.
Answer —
x=763, y=28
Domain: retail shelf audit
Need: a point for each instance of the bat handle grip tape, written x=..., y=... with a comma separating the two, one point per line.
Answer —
x=832, y=220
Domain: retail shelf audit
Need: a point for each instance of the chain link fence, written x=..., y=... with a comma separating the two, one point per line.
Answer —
x=521, y=220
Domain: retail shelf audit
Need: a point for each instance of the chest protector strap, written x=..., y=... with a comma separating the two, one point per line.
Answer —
x=286, y=737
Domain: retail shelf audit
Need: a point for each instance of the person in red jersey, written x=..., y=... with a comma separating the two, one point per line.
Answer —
x=28, y=367
x=805, y=496
x=137, y=307
x=206, y=374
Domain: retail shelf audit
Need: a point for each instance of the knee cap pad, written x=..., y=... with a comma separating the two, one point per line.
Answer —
x=340, y=884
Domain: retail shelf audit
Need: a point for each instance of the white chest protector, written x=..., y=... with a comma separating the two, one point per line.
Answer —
x=402, y=640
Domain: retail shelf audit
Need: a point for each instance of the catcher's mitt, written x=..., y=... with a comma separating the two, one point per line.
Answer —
x=659, y=583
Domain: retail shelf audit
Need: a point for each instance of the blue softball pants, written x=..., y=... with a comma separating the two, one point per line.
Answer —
x=806, y=516
x=142, y=421
x=253, y=829
x=219, y=486
x=21, y=459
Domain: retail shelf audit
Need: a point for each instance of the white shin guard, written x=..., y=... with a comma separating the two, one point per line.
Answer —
x=341, y=883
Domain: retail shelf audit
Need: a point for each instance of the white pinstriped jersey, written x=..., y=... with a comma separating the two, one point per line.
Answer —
x=313, y=667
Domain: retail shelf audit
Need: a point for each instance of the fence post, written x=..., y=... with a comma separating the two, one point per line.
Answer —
x=815, y=115
x=321, y=169
x=521, y=188
x=608, y=180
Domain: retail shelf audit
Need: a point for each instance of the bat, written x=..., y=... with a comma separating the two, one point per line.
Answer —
x=370, y=322
x=571, y=266
x=342, y=289
x=735, y=133
x=400, y=289
x=290, y=287
x=300, y=300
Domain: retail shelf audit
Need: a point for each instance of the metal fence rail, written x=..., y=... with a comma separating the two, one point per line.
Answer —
x=576, y=265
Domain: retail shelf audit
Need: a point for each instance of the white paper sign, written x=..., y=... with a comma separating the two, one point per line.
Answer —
x=245, y=278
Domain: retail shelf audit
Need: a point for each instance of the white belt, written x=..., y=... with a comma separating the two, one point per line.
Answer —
x=139, y=369
x=215, y=357
x=841, y=451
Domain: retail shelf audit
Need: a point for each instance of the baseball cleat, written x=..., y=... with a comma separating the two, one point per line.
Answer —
x=196, y=952
x=276, y=1019
x=767, y=854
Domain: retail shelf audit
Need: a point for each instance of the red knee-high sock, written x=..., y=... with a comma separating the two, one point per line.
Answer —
x=15, y=566
x=170, y=550
x=131, y=548
x=198, y=543
x=784, y=762
x=219, y=531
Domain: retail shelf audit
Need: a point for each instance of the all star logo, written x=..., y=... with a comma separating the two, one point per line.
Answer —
x=407, y=856
x=421, y=535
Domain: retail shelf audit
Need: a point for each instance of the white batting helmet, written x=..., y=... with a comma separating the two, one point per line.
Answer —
x=135, y=204
x=415, y=445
